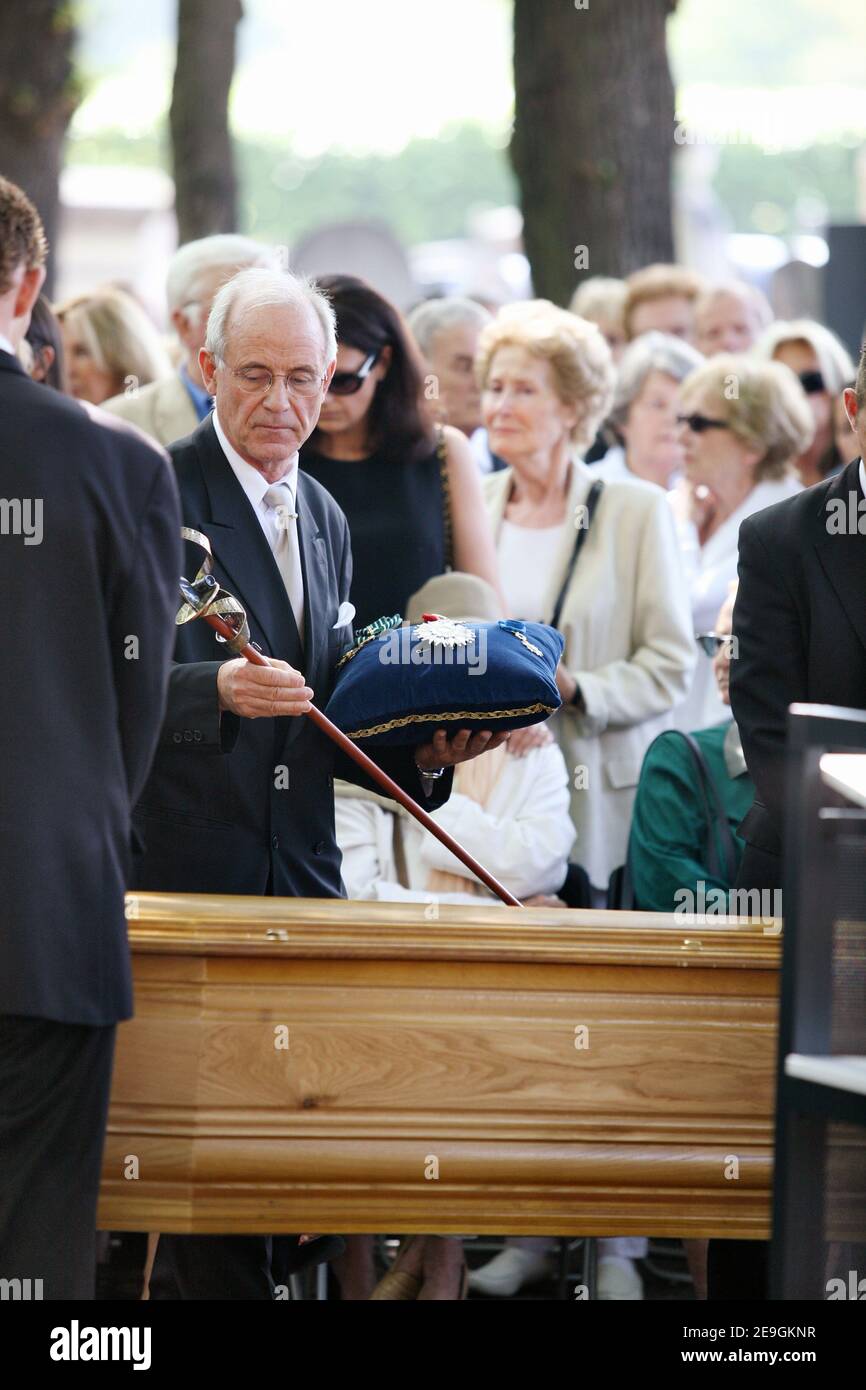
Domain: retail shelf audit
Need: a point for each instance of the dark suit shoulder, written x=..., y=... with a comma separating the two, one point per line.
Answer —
x=795, y=519
x=91, y=443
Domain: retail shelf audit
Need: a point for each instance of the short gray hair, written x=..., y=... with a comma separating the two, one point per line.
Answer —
x=436, y=315
x=651, y=352
x=195, y=259
x=754, y=299
x=259, y=288
x=601, y=298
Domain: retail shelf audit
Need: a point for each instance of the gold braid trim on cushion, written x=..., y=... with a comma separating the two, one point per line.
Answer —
x=443, y=718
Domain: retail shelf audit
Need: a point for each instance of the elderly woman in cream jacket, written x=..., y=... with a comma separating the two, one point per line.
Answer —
x=623, y=608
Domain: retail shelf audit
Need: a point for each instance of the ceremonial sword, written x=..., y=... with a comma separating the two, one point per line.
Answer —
x=204, y=598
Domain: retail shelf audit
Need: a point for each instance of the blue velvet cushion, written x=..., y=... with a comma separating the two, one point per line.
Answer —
x=399, y=688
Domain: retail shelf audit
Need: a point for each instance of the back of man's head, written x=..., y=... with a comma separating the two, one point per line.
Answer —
x=23, y=249
x=860, y=383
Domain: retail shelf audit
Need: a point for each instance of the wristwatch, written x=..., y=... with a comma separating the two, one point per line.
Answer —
x=428, y=777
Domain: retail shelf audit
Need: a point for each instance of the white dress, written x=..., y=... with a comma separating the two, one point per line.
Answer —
x=710, y=569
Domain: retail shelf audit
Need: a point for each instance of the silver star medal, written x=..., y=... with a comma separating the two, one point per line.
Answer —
x=443, y=632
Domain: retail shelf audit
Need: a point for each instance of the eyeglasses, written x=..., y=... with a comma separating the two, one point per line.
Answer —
x=347, y=383
x=711, y=642
x=698, y=423
x=812, y=382
x=258, y=380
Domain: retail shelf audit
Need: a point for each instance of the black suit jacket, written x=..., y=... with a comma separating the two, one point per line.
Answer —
x=247, y=805
x=87, y=625
x=800, y=625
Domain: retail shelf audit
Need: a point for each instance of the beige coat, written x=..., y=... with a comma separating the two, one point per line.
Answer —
x=162, y=409
x=627, y=626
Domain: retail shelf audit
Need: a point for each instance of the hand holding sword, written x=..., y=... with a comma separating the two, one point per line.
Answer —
x=255, y=686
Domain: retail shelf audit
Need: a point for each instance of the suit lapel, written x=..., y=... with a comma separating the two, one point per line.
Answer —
x=241, y=552
x=842, y=555
x=314, y=565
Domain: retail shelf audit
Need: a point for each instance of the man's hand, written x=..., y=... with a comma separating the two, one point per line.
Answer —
x=464, y=745
x=544, y=900
x=262, y=692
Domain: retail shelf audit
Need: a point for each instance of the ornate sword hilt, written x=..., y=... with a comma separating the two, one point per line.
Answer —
x=204, y=596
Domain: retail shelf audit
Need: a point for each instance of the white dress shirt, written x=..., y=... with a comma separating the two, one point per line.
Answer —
x=863, y=477
x=279, y=524
x=6, y=345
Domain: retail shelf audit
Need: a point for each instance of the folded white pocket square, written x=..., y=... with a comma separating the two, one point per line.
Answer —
x=345, y=615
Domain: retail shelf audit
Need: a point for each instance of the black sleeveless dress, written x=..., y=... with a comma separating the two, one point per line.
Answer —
x=396, y=515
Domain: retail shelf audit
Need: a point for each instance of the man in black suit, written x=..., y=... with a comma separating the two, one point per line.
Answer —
x=800, y=630
x=89, y=562
x=241, y=795
x=800, y=634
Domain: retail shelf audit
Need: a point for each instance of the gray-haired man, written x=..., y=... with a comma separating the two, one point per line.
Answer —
x=241, y=798
x=170, y=408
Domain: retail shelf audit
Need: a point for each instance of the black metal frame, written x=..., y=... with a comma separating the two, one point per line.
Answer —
x=804, y=1109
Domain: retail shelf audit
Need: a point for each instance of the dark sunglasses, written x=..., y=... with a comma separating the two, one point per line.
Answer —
x=698, y=423
x=710, y=642
x=812, y=382
x=347, y=383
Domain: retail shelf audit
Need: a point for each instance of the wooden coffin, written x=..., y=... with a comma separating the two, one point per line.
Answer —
x=306, y=1065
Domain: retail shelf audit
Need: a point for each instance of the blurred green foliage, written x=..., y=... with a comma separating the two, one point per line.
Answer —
x=427, y=190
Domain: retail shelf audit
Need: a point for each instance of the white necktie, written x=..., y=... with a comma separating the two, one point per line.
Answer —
x=284, y=542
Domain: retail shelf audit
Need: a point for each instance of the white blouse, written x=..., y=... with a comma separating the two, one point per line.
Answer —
x=527, y=555
x=710, y=569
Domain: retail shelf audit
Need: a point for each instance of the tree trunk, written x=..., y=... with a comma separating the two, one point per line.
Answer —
x=38, y=95
x=593, y=138
x=204, y=178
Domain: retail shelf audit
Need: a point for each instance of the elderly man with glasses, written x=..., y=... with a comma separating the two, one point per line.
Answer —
x=240, y=799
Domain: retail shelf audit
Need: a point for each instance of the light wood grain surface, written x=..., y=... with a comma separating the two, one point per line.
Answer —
x=432, y=1080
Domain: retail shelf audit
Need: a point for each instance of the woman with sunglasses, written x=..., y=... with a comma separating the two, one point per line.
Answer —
x=824, y=368
x=744, y=422
x=412, y=494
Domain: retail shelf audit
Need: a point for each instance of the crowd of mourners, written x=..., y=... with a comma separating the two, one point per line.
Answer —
x=468, y=444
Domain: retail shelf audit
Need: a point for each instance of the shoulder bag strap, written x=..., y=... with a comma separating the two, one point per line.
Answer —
x=442, y=455
x=582, y=532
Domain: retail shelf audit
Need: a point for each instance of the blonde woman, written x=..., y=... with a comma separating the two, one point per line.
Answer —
x=743, y=422
x=824, y=368
x=619, y=600
x=110, y=345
